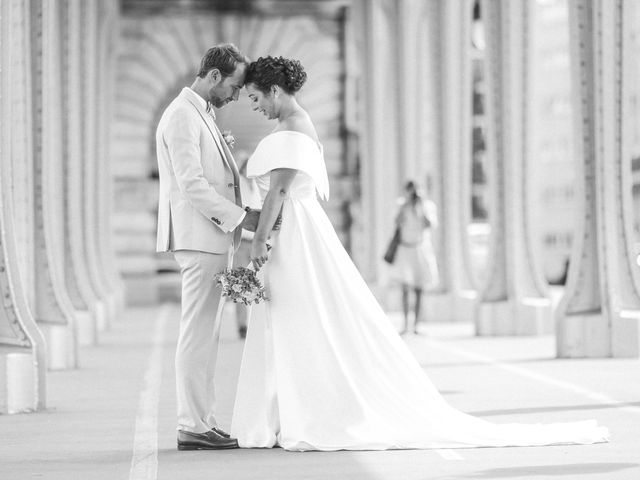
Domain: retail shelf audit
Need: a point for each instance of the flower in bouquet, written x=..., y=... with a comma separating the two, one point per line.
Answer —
x=241, y=285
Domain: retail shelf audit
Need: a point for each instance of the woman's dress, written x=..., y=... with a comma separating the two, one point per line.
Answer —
x=323, y=368
x=415, y=263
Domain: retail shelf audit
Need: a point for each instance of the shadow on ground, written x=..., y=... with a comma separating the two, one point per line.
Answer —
x=547, y=471
x=568, y=408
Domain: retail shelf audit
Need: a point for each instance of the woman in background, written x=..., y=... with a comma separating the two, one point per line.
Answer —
x=415, y=265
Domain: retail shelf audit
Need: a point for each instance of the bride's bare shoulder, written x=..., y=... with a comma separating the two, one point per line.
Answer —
x=301, y=123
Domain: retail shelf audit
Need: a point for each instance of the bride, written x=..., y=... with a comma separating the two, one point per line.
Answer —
x=323, y=368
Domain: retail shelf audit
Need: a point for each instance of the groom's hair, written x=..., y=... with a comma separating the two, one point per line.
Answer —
x=225, y=57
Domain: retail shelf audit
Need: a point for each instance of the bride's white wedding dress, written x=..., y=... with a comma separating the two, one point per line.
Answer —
x=323, y=368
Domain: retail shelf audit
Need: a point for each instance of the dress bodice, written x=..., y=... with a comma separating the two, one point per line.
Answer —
x=295, y=150
x=302, y=186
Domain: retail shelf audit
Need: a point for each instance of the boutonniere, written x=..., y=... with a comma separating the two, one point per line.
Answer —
x=228, y=138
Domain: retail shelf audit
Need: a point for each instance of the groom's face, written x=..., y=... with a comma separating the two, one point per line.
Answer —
x=223, y=90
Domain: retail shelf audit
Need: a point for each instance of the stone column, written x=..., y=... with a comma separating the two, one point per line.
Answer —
x=90, y=310
x=22, y=346
x=598, y=316
x=410, y=21
x=413, y=79
x=53, y=308
x=513, y=299
x=108, y=32
x=91, y=183
x=376, y=35
x=451, y=124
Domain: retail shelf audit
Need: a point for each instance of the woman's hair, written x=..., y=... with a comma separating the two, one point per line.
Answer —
x=224, y=57
x=412, y=187
x=268, y=71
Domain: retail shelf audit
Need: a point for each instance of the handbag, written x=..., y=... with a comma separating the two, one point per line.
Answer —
x=392, y=249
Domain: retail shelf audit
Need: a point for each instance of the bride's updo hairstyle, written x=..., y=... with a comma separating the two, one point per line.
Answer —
x=268, y=71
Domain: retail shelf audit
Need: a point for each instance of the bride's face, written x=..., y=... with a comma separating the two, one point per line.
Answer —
x=261, y=102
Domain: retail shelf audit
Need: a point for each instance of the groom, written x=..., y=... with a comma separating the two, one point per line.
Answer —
x=200, y=219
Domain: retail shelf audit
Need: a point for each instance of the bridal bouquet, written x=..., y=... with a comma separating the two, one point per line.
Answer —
x=241, y=285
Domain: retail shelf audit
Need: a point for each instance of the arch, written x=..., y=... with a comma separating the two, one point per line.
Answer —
x=160, y=55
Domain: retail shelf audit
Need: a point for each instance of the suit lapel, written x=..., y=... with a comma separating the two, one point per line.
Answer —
x=206, y=118
x=231, y=163
x=225, y=153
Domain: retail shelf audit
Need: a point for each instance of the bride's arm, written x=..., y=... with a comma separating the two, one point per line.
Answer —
x=280, y=181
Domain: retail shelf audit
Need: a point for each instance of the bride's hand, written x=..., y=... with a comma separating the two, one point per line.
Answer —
x=259, y=254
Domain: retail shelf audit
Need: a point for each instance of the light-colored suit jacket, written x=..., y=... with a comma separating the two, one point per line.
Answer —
x=199, y=202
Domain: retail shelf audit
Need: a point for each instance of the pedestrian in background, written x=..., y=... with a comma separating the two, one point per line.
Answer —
x=414, y=266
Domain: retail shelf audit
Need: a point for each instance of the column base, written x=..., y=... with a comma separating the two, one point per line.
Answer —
x=626, y=335
x=110, y=308
x=61, y=346
x=589, y=335
x=86, y=327
x=18, y=379
x=534, y=316
x=529, y=316
x=102, y=317
x=450, y=307
x=494, y=318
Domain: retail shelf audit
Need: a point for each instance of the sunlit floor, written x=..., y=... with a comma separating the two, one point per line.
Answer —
x=115, y=417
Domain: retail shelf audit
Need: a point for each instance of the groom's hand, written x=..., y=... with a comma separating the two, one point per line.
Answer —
x=250, y=221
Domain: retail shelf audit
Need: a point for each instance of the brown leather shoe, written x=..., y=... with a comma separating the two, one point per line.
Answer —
x=210, y=440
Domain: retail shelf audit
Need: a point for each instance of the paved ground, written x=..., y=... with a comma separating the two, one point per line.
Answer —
x=114, y=418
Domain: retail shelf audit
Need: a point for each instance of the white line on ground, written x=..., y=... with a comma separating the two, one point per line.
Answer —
x=523, y=372
x=448, y=454
x=144, y=462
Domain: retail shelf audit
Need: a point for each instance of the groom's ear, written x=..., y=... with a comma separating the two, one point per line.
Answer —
x=214, y=75
x=275, y=90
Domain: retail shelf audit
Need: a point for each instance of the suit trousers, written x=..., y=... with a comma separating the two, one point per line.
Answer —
x=197, y=349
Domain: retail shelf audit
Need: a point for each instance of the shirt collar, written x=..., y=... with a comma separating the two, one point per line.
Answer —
x=203, y=103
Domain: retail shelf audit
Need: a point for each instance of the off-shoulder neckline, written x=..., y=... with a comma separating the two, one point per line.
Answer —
x=317, y=144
